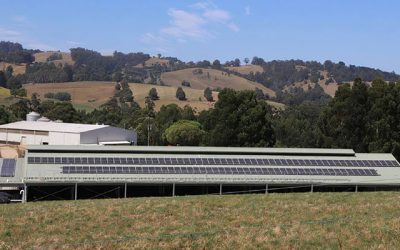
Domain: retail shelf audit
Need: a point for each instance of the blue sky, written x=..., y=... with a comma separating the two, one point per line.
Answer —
x=359, y=32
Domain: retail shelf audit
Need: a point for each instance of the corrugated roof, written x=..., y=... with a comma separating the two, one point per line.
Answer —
x=52, y=126
x=197, y=150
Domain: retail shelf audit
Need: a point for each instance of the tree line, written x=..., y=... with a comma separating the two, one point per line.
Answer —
x=363, y=117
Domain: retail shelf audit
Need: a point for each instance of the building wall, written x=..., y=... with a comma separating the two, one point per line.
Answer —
x=108, y=134
x=60, y=138
x=26, y=137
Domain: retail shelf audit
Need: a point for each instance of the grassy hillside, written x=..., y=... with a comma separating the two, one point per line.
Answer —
x=17, y=68
x=211, y=78
x=154, y=61
x=42, y=57
x=246, y=69
x=195, y=97
x=89, y=95
x=83, y=94
x=275, y=221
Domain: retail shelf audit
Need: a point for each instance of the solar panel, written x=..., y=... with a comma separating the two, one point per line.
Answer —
x=216, y=171
x=210, y=161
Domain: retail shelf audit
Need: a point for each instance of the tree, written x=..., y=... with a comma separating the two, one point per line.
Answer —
x=21, y=92
x=185, y=83
x=246, y=60
x=345, y=118
x=180, y=94
x=257, y=61
x=237, y=62
x=63, y=111
x=208, y=94
x=20, y=109
x=5, y=115
x=260, y=94
x=238, y=119
x=216, y=64
x=3, y=79
x=184, y=133
x=153, y=94
x=117, y=76
x=35, y=102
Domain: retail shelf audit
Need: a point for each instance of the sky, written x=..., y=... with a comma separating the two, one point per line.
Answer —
x=358, y=32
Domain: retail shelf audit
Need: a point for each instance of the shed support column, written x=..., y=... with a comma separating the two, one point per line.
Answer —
x=25, y=194
x=173, y=189
x=356, y=189
x=76, y=192
x=266, y=188
x=312, y=188
x=220, y=189
x=125, y=189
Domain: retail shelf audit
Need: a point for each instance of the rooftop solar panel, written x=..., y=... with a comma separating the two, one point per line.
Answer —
x=210, y=161
x=217, y=171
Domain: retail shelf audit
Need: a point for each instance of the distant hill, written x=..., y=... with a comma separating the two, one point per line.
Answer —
x=89, y=95
x=59, y=57
x=246, y=69
x=202, y=78
x=275, y=78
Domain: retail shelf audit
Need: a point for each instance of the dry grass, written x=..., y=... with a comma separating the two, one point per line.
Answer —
x=246, y=69
x=42, y=57
x=91, y=94
x=17, y=68
x=195, y=97
x=275, y=221
x=217, y=79
x=88, y=95
x=153, y=61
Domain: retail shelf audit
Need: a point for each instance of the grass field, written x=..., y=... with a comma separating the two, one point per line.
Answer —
x=216, y=79
x=195, y=97
x=246, y=69
x=4, y=92
x=274, y=221
x=85, y=95
x=42, y=57
x=17, y=68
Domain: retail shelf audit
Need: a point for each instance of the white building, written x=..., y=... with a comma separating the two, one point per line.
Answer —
x=45, y=132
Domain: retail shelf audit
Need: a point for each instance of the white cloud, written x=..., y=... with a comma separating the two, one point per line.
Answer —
x=200, y=5
x=247, y=10
x=185, y=24
x=216, y=15
x=198, y=22
x=233, y=27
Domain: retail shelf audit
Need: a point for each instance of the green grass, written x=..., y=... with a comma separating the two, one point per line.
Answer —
x=274, y=221
x=4, y=92
x=84, y=107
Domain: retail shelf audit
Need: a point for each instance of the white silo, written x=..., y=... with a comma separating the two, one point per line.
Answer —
x=32, y=117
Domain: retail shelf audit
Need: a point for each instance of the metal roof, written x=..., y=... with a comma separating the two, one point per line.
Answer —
x=196, y=150
x=52, y=126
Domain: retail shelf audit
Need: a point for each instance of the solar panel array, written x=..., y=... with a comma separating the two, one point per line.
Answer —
x=209, y=161
x=218, y=170
x=8, y=168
